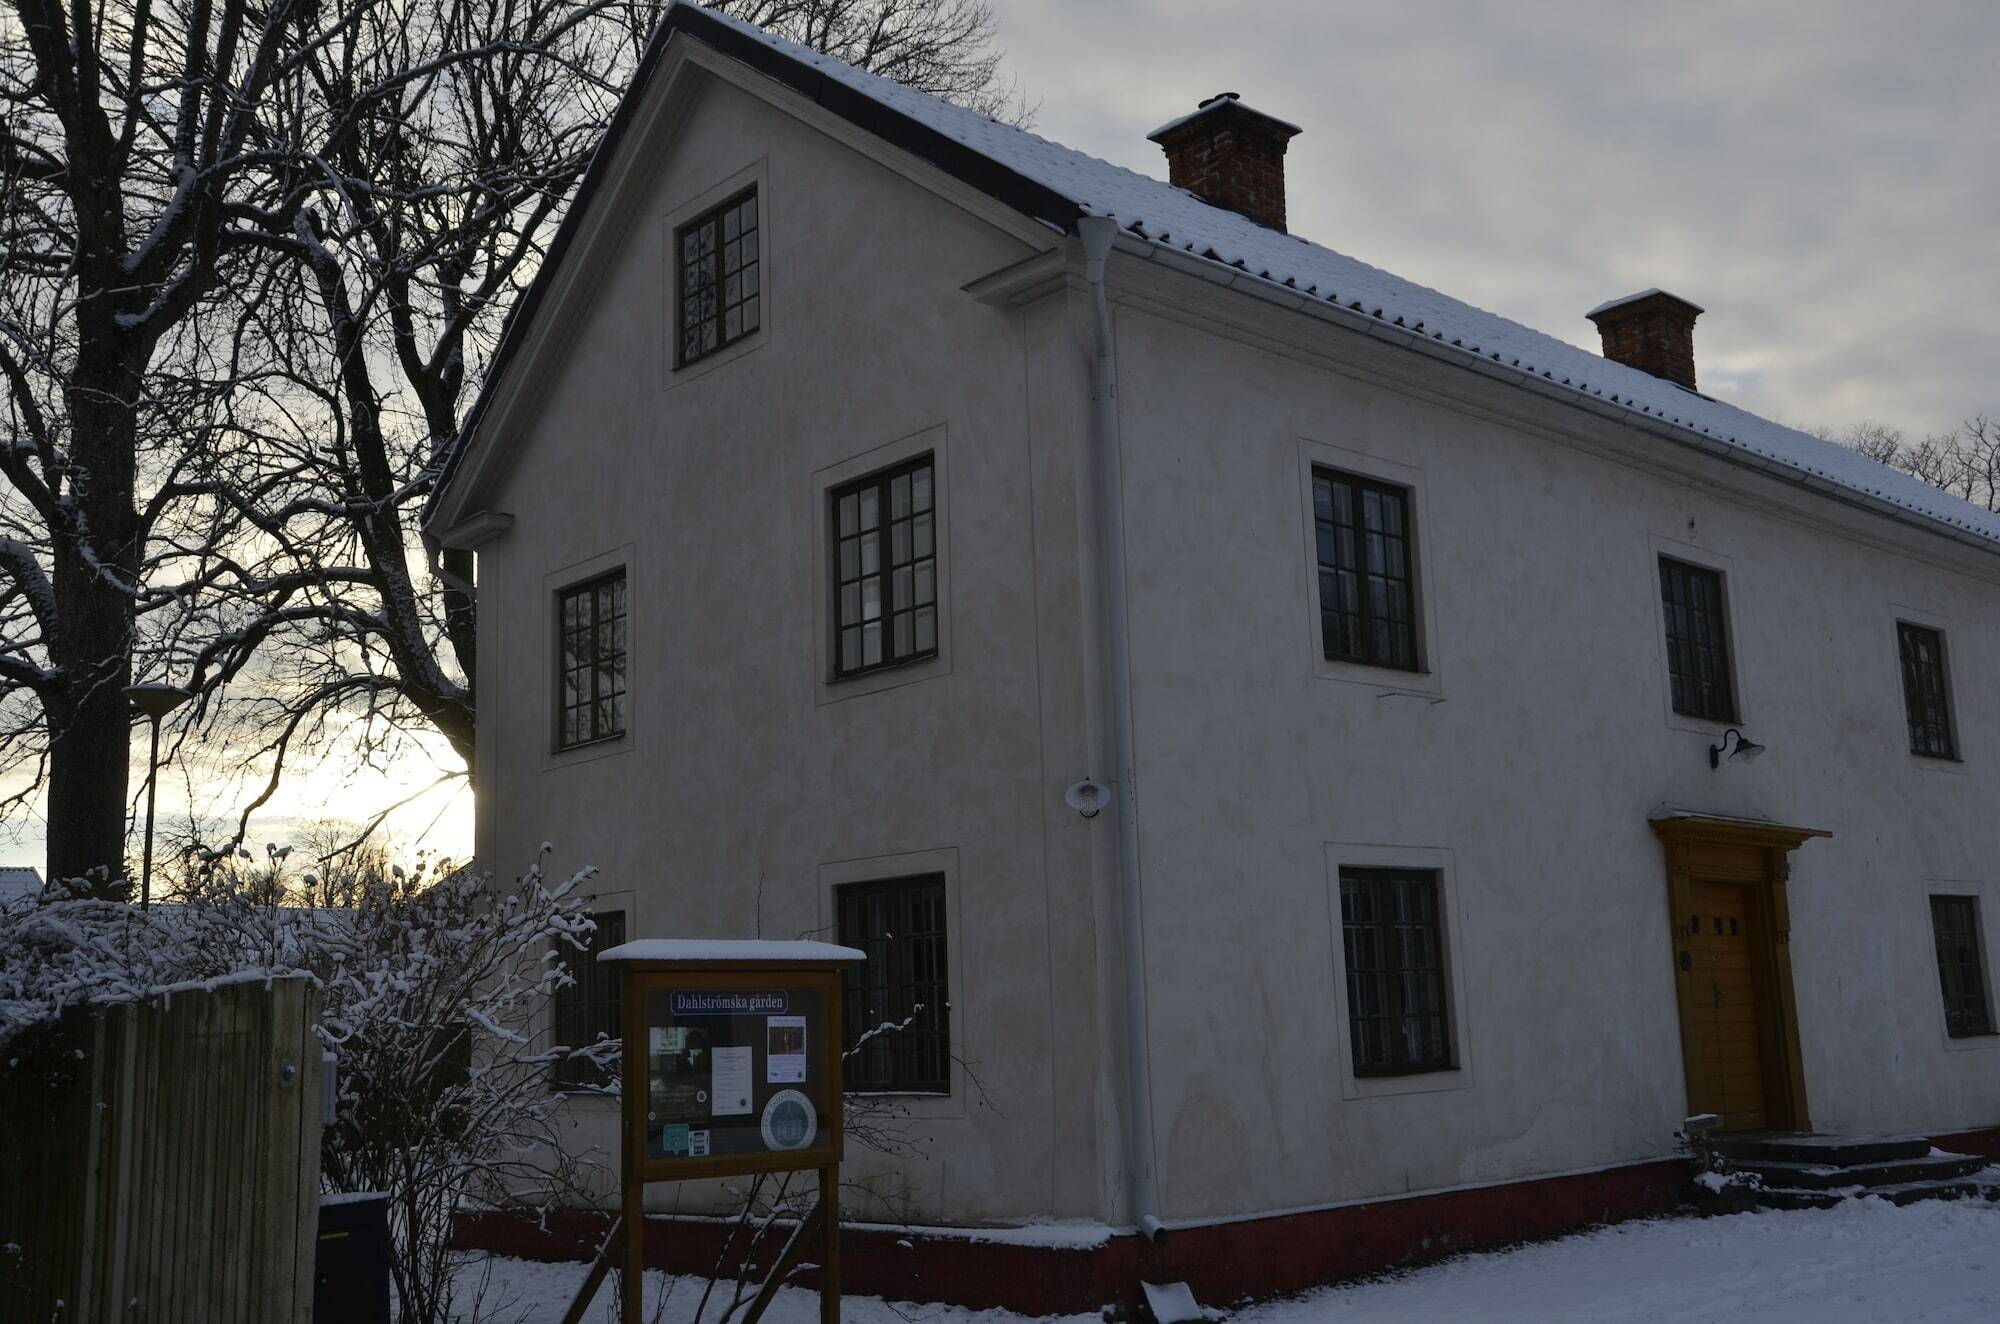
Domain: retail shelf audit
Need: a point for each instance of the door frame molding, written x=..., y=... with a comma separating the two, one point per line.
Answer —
x=1757, y=855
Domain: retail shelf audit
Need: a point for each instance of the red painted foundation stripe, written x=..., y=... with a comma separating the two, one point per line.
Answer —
x=1223, y=1262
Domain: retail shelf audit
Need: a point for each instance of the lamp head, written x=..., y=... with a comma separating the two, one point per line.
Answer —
x=156, y=699
x=1746, y=750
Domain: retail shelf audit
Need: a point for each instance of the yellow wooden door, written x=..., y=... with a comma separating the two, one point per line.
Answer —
x=1728, y=1041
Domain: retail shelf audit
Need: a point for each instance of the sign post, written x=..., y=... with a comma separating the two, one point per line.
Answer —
x=732, y=1067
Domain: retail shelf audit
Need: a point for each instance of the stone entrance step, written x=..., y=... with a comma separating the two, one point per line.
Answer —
x=1777, y=1171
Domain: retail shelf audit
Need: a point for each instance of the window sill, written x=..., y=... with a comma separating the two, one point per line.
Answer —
x=1961, y=1043
x=589, y=751
x=1434, y=1081
x=882, y=668
x=1383, y=680
x=1949, y=764
x=889, y=677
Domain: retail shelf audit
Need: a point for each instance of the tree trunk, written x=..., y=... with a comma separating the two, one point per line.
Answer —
x=95, y=560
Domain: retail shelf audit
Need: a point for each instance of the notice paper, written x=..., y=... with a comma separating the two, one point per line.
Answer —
x=785, y=1050
x=730, y=1083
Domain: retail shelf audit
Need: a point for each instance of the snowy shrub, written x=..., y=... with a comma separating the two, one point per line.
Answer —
x=431, y=988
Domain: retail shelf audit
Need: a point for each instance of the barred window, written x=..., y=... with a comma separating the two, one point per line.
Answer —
x=1361, y=535
x=897, y=1003
x=590, y=1007
x=1961, y=969
x=885, y=569
x=1697, y=641
x=719, y=278
x=591, y=703
x=1926, y=702
x=1394, y=944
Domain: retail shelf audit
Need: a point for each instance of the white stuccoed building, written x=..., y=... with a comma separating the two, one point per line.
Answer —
x=812, y=576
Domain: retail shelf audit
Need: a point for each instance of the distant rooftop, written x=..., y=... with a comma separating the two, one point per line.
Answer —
x=19, y=881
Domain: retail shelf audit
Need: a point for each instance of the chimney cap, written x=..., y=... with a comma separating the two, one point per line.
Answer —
x=1613, y=305
x=1223, y=103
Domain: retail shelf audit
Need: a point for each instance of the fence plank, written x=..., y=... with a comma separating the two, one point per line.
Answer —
x=154, y=1166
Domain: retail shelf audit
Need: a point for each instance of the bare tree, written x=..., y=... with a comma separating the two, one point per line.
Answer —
x=388, y=285
x=1964, y=462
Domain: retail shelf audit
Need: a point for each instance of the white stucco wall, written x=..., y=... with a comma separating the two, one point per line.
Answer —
x=1524, y=766
x=748, y=788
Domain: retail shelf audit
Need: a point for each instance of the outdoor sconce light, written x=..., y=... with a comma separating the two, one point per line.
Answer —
x=1087, y=797
x=1746, y=749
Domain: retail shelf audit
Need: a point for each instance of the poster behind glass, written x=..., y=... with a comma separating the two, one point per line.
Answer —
x=733, y=1071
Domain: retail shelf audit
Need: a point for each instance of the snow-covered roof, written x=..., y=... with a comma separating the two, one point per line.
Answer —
x=19, y=881
x=1057, y=184
x=729, y=949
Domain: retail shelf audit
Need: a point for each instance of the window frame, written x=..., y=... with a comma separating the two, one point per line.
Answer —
x=563, y=594
x=716, y=216
x=902, y=1078
x=598, y=991
x=1977, y=998
x=1404, y=495
x=881, y=482
x=1380, y=879
x=1945, y=718
x=1725, y=666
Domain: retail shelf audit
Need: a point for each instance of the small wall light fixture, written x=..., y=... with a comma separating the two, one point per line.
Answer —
x=1087, y=797
x=1745, y=751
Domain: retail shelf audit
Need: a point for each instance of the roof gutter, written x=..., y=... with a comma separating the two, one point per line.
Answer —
x=1272, y=292
x=1098, y=234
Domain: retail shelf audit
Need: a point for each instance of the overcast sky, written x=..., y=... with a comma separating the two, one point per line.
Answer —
x=1823, y=176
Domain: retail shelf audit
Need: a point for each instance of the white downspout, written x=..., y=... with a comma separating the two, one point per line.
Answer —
x=1097, y=233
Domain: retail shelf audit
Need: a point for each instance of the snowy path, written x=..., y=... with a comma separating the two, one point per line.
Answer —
x=1863, y=1261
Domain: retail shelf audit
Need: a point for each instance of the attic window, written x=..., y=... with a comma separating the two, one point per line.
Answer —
x=718, y=281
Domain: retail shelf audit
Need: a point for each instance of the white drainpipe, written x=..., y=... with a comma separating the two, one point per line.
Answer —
x=1097, y=233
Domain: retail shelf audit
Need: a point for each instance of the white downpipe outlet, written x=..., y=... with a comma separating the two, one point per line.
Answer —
x=1097, y=233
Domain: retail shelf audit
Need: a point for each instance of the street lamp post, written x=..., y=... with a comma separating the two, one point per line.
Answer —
x=156, y=700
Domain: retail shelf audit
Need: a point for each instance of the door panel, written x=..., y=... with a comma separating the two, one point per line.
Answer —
x=1727, y=1027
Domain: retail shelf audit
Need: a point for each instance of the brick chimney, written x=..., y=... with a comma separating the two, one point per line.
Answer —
x=1230, y=155
x=1652, y=331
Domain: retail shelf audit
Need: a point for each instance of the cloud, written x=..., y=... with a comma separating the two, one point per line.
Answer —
x=1822, y=176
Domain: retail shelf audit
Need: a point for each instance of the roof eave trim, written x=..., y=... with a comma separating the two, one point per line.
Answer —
x=1273, y=292
x=969, y=166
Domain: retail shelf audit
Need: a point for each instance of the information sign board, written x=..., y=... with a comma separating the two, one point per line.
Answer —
x=736, y=1073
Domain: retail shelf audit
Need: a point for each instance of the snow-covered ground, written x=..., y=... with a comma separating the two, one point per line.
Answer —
x=1865, y=1260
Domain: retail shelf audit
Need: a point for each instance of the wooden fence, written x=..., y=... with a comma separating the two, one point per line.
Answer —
x=159, y=1162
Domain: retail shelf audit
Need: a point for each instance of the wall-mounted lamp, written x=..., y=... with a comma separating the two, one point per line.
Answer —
x=1746, y=749
x=1087, y=797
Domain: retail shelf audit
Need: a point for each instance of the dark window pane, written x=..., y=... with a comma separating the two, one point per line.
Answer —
x=1961, y=965
x=897, y=1004
x=590, y=693
x=1394, y=946
x=1697, y=641
x=885, y=568
x=1926, y=700
x=718, y=282
x=1367, y=608
x=589, y=1008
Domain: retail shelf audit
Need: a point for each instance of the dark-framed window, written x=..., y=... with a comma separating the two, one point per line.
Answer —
x=1961, y=966
x=1697, y=641
x=1926, y=700
x=897, y=1002
x=718, y=287
x=1393, y=940
x=591, y=1006
x=590, y=702
x=1367, y=593
x=884, y=561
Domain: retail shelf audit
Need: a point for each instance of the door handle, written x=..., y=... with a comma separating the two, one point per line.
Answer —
x=1717, y=986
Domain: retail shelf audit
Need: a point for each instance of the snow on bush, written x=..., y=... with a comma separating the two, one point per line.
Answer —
x=434, y=990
